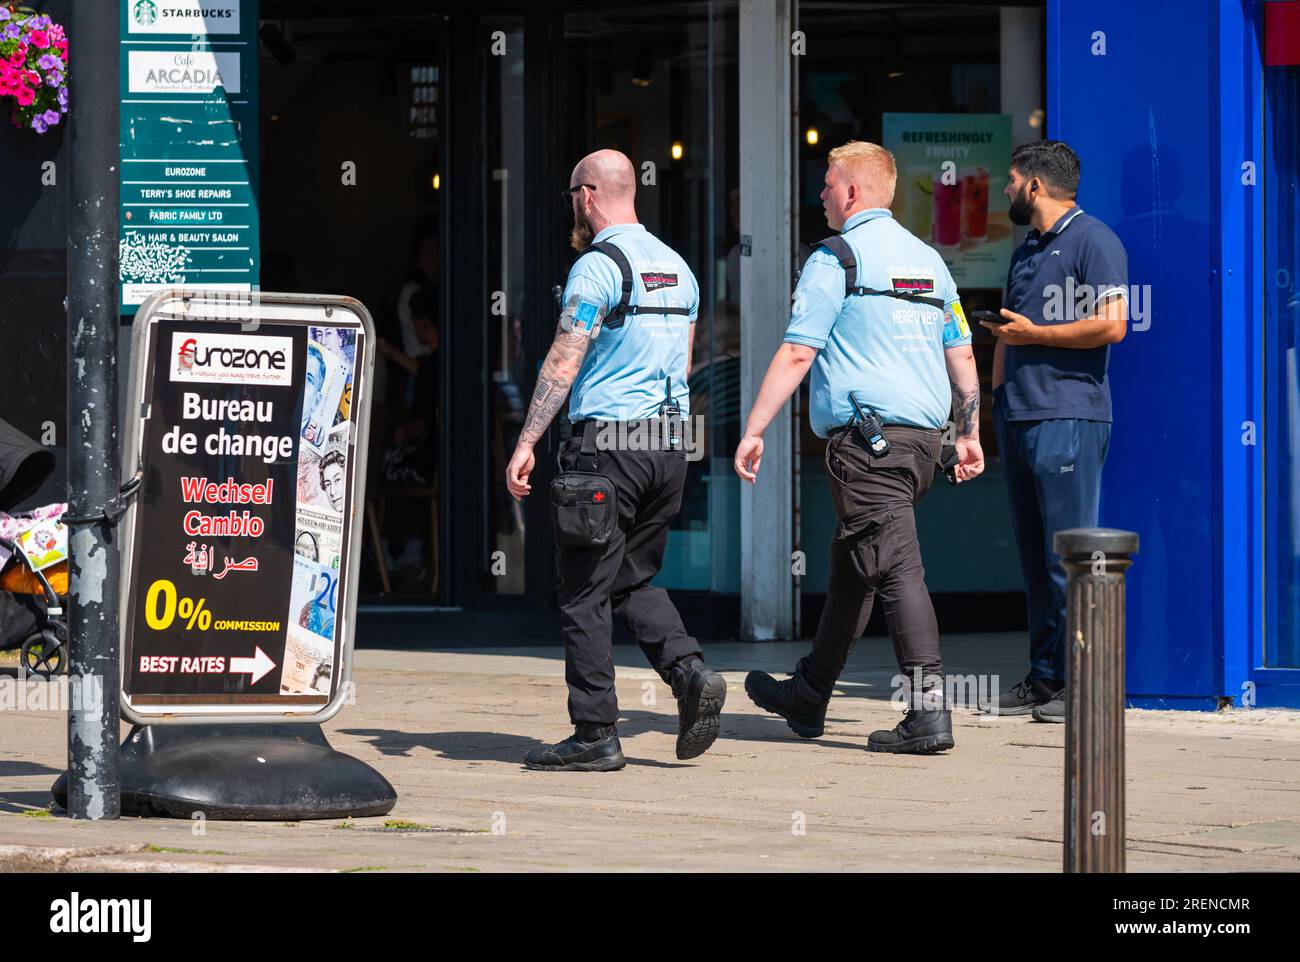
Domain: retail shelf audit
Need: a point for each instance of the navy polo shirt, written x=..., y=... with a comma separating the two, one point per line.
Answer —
x=1056, y=277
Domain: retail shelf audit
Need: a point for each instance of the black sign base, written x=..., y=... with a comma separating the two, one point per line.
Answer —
x=267, y=773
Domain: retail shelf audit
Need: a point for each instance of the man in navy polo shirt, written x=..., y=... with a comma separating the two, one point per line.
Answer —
x=1067, y=302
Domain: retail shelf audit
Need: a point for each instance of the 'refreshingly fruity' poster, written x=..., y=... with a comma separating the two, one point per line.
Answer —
x=952, y=170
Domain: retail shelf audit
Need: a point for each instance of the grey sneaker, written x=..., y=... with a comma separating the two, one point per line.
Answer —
x=1023, y=697
x=1052, y=711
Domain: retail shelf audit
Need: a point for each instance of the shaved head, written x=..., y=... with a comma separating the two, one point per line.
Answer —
x=606, y=195
x=611, y=173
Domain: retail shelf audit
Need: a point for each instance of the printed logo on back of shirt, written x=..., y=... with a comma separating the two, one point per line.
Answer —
x=912, y=285
x=657, y=280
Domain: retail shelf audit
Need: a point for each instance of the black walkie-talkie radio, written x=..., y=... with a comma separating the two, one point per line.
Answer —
x=869, y=426
x=671, y=413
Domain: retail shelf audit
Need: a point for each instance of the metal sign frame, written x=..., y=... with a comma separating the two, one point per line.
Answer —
x=246, y=311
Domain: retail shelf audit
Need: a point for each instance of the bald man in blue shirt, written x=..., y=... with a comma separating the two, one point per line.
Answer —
x=877, y=320
x=623, y=347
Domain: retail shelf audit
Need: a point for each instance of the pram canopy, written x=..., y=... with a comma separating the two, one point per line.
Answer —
x=24, y=466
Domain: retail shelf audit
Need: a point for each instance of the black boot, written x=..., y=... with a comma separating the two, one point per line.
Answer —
x=700, y=694
x=591, y=748
x=922, y=731
x=801, y=705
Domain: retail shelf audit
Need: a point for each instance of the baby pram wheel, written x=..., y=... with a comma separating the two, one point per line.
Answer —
x=44, y=654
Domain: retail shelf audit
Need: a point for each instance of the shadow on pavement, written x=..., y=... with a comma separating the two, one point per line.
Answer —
x=461, y=746
x=18, y=769
x=15, y=803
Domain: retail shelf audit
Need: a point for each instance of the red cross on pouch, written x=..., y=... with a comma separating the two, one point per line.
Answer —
x=598, y=497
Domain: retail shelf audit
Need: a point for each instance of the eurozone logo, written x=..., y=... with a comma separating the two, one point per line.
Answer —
x=145, y=13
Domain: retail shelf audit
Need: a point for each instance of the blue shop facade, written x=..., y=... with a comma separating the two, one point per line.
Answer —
x=1196, y=170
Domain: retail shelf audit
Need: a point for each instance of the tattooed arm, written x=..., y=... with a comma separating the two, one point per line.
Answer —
x=965, y=381
x=553, y=383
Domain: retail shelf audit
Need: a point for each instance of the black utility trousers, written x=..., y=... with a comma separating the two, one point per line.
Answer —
x=875, y=551
x=613, y=580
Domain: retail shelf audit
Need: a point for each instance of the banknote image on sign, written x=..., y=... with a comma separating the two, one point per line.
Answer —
x=241, y=560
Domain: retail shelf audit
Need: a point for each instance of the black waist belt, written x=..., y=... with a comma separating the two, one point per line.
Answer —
x=899, y=428
x=589, y=428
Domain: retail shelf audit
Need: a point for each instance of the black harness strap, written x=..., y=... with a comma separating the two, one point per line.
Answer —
x=838, y=246
x=625, y=307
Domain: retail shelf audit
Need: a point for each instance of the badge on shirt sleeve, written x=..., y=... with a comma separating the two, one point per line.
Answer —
x=582, y=315
x=955, y=326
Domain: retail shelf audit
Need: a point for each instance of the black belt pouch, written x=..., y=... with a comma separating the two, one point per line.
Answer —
x=584, y=509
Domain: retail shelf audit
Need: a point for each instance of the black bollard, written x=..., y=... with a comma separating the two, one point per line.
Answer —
x=1095, y=560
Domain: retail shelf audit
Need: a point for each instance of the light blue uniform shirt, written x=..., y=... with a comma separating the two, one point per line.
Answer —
x=887, y=351
x=626, y=369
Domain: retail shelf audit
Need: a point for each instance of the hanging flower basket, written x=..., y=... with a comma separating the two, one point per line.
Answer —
x=33, y=68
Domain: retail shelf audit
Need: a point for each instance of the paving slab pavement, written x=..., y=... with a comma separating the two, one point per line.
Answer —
x=448, y=727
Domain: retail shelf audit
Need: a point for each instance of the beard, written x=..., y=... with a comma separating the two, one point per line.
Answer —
x=1021, y=210
x=581, y=234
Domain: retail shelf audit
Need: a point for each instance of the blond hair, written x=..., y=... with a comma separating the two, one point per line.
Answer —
x=870, y=166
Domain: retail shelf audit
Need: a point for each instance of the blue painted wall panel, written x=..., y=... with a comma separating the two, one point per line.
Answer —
x=1140, y=118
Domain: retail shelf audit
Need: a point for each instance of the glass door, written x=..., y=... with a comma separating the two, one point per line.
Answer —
x=352, y=125
x=508, y=358
x=660, y=85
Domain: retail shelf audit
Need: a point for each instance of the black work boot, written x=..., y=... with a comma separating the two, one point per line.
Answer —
x=700, y=693
x=923, y=731
x=1023, y=697
x=591, y=748
x=795, y=700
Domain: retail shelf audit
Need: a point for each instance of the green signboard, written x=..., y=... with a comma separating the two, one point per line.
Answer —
x=189, y=172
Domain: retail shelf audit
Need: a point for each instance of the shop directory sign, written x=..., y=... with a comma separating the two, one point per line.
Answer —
x=189, y=173
x=952, y=169
x=240, y=565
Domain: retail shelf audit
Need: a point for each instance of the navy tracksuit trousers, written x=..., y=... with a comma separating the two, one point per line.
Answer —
x=1054, y=479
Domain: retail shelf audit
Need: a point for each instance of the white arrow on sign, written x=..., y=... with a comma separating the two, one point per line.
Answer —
x=257, y=666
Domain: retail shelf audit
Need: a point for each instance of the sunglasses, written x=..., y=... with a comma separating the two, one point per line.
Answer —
x=566, y=195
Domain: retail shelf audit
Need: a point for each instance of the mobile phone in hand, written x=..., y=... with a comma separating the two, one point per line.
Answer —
x=989, y=316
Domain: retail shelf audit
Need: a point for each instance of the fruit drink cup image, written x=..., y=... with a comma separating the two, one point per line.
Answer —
x=975, y=203
x=920, y=202
x=947, y=212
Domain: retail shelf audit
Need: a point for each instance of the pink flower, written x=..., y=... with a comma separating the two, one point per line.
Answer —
x=17, y=58
x=25, y=96
x=40, y=39
x=33, y=78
